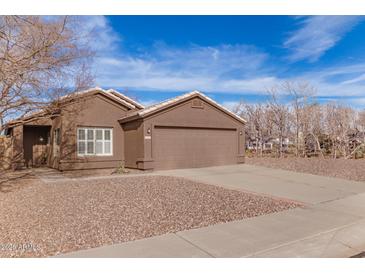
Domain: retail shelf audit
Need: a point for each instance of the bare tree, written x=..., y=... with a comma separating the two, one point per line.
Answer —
x=339, y=122
x=41, y=58
x=316, y=129
x=312, y=126
x=299, y=95
x=279, y=115
x=361, y=121
x=256, y=127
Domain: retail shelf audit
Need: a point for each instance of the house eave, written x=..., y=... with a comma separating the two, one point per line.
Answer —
x=130, y=118
x=147, y=112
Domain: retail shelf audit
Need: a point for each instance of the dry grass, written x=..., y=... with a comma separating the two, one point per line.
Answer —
x=45, y=219
x=340, y=168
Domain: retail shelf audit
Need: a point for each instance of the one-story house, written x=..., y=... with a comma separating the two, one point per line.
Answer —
x=100, y=128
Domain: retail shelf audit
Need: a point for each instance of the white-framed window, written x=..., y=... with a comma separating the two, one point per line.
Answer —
x=94, y=141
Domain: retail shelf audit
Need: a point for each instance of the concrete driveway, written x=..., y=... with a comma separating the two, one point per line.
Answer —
x=303, y=187
x=331, y=223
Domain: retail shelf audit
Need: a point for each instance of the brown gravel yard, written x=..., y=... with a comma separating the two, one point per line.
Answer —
x=341, y=168
x=44, y=219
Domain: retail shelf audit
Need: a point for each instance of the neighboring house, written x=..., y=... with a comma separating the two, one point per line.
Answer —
x=268, y=144
x=253, y=144
x=103, y=129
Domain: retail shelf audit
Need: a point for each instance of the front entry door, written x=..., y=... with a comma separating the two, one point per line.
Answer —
x=35, y=143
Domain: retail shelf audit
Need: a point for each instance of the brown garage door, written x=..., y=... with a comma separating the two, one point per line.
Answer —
x=193, y=147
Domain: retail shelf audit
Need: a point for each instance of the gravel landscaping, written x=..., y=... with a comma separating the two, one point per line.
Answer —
x=44, y=219
x=340, y=168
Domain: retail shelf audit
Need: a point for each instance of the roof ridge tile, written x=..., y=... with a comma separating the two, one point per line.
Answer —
x=173, y=100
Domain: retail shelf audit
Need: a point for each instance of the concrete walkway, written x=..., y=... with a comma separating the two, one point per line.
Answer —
x=332, y=223
x=48, y=175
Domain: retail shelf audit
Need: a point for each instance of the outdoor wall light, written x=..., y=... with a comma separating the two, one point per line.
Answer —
x=148, y=131
x=240, y=132
x=41, y=139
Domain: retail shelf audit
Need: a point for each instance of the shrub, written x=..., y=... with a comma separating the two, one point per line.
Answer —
x=360, y=153
x=121, y=169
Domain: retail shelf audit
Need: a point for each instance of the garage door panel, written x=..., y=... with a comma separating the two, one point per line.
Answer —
x=190, y=147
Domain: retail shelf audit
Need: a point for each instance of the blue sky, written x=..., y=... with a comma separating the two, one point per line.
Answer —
x=230, y=57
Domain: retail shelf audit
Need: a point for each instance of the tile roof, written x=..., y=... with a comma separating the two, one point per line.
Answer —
x=111, y=93
x=156, y=107
x=125, y=98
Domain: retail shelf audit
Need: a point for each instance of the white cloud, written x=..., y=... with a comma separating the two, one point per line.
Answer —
x=317, y=35
x=223, y=67
x=354, y=80
x=330, y=89
x=218, y=60
x=179, y=73
x=230, y=104
x=325, y=80
x=359, y=102
x=258, y=84
x=98, y=33
x=235, y=69
x=148, y=103
x=354, y=102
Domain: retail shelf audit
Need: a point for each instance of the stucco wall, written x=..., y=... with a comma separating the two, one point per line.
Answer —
x=133, y=134
x=5, y=152
x=94, y=111
x=184, y=115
